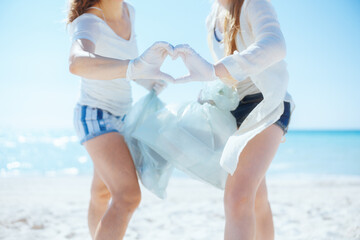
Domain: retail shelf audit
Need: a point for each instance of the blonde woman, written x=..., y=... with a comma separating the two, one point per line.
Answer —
x=248, y=45
x=104, y=54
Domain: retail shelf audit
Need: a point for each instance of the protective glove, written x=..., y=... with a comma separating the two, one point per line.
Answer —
x=157, y=85
x=147, y=66
x=200, y=70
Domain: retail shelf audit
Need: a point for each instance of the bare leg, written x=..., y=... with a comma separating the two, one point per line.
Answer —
x=99, y=201
x=113, y=164
x=264, y=218
x=241, y=188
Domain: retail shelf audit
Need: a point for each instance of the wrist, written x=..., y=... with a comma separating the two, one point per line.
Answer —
x=129, y=70
x=223, y=74
x=221, y=71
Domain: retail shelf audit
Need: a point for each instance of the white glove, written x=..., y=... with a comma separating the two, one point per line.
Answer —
x=157, y=85
x=199, y=69
x=147, y=66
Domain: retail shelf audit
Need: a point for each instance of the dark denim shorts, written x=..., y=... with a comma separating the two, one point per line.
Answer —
x=249, y=102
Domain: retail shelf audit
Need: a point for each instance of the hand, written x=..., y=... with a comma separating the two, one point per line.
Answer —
x=199, y=69
x=147, y=66
x=157, y=85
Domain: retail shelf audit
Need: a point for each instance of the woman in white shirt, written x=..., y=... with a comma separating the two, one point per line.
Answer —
x=104, y=54
x=246, y=40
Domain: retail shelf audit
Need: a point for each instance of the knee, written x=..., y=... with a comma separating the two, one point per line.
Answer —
x=127, y=200
x=100, y=195
x=261, y=201
x=239, y=200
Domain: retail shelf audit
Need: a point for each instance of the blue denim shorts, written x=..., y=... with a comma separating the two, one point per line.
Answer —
x=249, y=102
x=90, y=122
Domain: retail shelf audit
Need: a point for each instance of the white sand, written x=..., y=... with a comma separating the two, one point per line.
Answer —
x=56, y=208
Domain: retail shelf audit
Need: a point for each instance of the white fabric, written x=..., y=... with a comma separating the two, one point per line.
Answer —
x=245, y=87
x=111, y=95
x=258, y=64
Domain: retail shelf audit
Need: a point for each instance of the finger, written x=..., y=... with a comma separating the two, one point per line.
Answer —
x=166, y=77
x=164, y=46
x=162, y=49
x=158, y=89
x=179, y=52
x=171, y=50
x=174, y=55
x=184, y=79
x=184, y=48
x=167, y=51
x=183, y=53
x=161, y=83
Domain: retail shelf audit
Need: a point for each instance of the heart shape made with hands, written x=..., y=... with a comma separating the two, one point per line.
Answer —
x=147, y=66
x=198, y=68
x=145, y=69
x=174, y=66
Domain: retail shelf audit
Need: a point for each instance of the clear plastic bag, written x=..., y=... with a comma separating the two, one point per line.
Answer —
x=152, y=169
x=192, y=136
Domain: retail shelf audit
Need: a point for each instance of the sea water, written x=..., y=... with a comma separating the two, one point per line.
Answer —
x=58, y=152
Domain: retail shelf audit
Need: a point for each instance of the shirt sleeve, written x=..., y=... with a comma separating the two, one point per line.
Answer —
x=85, y=28
x=269, y=46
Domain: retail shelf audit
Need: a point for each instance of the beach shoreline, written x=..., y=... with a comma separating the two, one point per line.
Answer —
x=304, y=207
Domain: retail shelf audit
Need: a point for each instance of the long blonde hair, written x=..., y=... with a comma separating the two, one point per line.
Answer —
x=232, y=26
x=78, y=7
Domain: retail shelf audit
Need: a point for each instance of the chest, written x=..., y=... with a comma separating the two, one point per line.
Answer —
x=244, y=38
x=121, y=28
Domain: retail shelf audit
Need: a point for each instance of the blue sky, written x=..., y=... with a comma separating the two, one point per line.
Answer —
x=37, y=91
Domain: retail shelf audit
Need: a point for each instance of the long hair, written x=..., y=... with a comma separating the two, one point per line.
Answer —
x=78, y=7
x=232, y=26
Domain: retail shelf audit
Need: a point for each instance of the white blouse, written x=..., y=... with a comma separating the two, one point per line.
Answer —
x=114, y=95
x=258, y=65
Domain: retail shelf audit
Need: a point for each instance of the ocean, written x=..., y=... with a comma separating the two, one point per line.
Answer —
x=58, y=153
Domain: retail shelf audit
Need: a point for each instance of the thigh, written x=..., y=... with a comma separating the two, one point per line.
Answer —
x=113, y=162
x=255, y=159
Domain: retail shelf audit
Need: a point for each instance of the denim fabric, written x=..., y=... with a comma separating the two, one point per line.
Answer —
x=249, y=102
x=90, y=122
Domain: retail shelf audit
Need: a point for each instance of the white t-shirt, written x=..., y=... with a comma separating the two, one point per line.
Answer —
x=114, y=95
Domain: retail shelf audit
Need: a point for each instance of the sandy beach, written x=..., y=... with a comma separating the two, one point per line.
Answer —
x=327, y=208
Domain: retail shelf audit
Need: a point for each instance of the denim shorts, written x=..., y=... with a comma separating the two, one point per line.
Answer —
x=90, y=122
x=249, y=102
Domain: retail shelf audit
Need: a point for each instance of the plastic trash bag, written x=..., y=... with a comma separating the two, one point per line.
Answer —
x=152, y=169
x=192, y=136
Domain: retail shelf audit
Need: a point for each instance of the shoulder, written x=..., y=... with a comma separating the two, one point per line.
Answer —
x=86, y=22
x=257, y=5
x=211, y=18
x=86, y=19
x=252, y=2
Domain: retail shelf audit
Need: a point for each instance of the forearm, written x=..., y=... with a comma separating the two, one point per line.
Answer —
x=223, y=74
x=92, y=66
